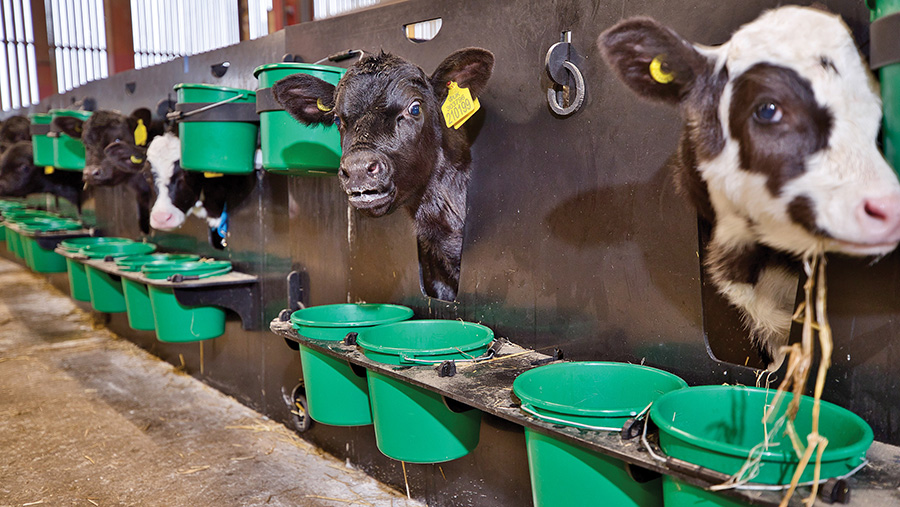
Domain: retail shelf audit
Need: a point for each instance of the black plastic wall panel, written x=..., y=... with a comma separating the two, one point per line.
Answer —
x=575, y=237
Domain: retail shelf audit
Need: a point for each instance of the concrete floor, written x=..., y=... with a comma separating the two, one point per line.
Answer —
x=87, y=418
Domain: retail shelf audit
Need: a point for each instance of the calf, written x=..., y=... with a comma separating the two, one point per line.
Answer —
x=778, y=153
x=397, y=150
x=20, y=177
x=176, y=193
x=14, y=129
x=102, y=129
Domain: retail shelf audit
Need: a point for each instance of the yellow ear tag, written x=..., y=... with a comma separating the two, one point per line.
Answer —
x=140, y=134
x=135, y=160
x=322, y=107
x=657, y=72
x=459, y=105
x=212, y=175
x=49, y=169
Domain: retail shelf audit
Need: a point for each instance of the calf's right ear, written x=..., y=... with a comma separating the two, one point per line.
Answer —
x=126, y=156
x=69, y=126
x=654, y=61
x=308, y=99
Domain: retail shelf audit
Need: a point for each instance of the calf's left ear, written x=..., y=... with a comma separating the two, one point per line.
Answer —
x=308, y=99
x=126, y=156
x=68, y=125
x=470, y=67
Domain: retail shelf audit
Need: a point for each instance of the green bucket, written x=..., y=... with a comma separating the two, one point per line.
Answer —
x=68, y=152
x=107, y=292
x=335, y=393
x=721, y=439
x=290, y=147
x=594, y=396
x=39, y=259
x=174, y=321
x=41, y=143
x=219, y=145
x=2, y=232
x=137, y=296
x=889, y=75
x=78, y=284
x=411, y=423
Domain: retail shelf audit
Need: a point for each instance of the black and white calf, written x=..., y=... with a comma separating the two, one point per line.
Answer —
x=397, y=150
x=778, y=152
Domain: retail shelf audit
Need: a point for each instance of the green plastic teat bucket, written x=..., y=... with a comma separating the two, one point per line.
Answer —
x=41, y=143
x=107, y=293
x=884, y=15
x=78, y=283
x=38, y=258
x=335, y=393
x=174, y=321
x=221, y=139
x=137, y=296
x=592, y=396
x=288, y=146
x=68, y=152
x=717, y=427
x=413, y=424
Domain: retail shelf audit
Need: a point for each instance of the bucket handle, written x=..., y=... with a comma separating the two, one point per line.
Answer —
x=180, y=115
x=177, y=277
x=489, y=354
x=554, y=420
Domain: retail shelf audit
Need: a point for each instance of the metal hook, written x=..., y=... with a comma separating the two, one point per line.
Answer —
x=575, y=104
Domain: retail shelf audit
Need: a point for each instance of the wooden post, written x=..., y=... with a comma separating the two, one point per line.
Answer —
x=45, y=60
x=119, y=39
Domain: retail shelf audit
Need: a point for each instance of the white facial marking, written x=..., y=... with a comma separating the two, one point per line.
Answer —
x=164, y=151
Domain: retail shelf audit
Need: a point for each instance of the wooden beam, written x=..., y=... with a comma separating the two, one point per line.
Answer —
x=44, y=58
x=119, y=38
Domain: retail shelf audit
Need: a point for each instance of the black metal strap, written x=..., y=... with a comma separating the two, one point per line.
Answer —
x=238, y=112
x=884, y=41
x=40, y=129
x=265, y=101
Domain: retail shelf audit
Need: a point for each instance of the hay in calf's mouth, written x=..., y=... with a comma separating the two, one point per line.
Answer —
x=812, y=313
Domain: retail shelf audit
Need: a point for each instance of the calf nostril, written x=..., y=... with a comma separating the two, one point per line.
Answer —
x=876, y=210
x=374, y=168
x=344, y=173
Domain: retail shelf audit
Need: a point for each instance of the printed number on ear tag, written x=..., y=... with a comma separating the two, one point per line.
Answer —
x=459, y=105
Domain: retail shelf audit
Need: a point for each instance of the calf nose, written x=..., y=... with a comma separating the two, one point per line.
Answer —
x=879, y=218
x=362, y=169
x=92, y=172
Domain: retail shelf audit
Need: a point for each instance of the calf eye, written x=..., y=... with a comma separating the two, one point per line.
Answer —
x=768, y=112
x=414, y=108
x=337, y=122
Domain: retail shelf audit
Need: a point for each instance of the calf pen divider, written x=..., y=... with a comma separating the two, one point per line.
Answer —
x=487, y=388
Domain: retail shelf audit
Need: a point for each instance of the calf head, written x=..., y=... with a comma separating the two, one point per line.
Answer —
x=19, y=176
x=388, y=112
x=14, y=129
x=778, y=152
x=102, y=129
x=173, y=191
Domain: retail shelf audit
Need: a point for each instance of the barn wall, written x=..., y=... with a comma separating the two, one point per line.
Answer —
x=575, y=237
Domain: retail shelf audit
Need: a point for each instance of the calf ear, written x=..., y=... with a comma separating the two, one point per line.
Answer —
x=126, y=156
x=654, y=61
x=68, y=125
x=470, y=67
x=308, y=99
x=142, y=113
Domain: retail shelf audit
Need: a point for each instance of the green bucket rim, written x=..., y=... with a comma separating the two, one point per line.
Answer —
x=84, y=115
x=76, y=244
x=363, y=341
x=529, y=379
x=218, y=88
x=163, y=269
x=40, y=116
x=48, y=224
x=397, y=314
x=298, y=66
x=102, y=250
x=788, y=456
x=136, y=262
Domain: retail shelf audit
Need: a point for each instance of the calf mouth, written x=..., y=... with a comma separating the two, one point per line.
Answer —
x=860, y=249
x=374, y=201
